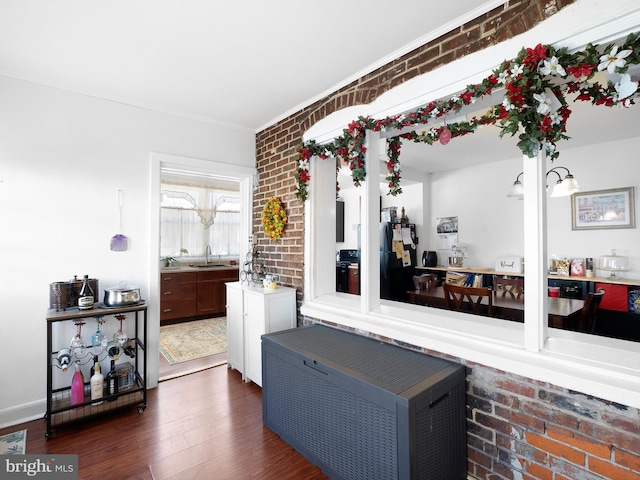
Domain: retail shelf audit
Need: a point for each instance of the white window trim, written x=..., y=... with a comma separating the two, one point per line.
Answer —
x=603, y=367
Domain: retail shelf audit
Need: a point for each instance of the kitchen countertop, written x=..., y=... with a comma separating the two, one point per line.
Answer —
x=490, y=271
x=187, y=268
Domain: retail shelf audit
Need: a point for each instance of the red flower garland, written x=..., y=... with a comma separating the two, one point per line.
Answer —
x=528, y=82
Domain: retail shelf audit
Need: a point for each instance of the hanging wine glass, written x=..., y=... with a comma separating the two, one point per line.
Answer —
x=120, y=337
x=98, y=339
x=77, y=346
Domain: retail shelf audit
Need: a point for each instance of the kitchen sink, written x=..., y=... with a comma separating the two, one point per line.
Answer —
x=210, y=265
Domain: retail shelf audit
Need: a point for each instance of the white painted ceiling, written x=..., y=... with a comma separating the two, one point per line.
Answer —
x=247, y=63
x=243, y=63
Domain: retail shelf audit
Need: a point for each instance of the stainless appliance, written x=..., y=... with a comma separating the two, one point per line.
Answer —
x=396, y=278
x=345, y=258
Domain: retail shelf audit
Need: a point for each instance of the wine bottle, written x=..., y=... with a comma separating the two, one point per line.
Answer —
x=112, y=381
x=85, y=297
x=113, y=350
x=93, y=367
x=77, y=386
x=64, y=359
x=97, y=385
x=130, y=348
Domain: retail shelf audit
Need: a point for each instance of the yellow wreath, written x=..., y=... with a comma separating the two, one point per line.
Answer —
x=274, y=218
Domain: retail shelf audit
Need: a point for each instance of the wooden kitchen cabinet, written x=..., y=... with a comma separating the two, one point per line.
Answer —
x=211, y=291
x=178, y=292
x=354, y=279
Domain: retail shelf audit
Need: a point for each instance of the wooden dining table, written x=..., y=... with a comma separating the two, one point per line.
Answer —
x=563, y=312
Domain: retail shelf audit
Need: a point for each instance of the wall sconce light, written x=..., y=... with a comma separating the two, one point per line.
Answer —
x=517, y=190
x=563, y=188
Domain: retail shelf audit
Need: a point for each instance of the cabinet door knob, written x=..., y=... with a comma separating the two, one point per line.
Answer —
x=166, y=310
x=167, y=293
x=166, y=279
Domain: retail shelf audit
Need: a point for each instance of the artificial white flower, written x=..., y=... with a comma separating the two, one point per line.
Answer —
x=517, y=69
x=547, y=102
x=506, y=104
x=613, y=60
x=455, y=98
x=435, y=112
x=552, y=67
x=625, y=87
x=503, y=77
x=544, y=103
x=303, y=164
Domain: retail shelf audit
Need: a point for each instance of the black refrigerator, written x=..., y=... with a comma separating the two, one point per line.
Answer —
x=397, y=264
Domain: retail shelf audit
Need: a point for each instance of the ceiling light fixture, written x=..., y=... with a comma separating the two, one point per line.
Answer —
x=563, y=188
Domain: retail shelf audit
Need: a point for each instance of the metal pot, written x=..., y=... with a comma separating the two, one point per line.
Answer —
x=121, y=295
x=456, y=261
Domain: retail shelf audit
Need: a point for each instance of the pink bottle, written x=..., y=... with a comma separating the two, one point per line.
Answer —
x=77, y=386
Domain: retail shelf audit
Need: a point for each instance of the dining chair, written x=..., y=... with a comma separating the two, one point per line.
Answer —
x=514, y=287
x=589, y=315
x=461, y=298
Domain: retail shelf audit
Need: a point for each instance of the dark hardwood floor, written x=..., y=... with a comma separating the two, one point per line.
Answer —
x=205, y=425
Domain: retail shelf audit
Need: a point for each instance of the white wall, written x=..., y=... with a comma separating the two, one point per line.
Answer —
x=63, y=157
x=491, y=224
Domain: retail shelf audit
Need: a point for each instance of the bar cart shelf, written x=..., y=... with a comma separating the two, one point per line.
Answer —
x=59, y=408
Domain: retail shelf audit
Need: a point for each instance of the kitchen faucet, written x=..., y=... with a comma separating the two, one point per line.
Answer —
x=207, y=252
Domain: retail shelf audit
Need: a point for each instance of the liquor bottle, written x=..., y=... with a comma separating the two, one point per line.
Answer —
x=93, y=367
x=77, y=386
x=85, y=297
x=112, y=381
x=97, y=385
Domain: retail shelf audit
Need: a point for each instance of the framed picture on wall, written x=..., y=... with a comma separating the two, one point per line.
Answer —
x=613, y=208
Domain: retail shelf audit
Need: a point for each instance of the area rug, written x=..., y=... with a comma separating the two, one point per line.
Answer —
x=13, y=443
x=186, y=341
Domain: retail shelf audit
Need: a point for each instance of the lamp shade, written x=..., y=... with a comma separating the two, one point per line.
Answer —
x=566, y=187
x=563, y=188
x=571, y=184
x=516, y=190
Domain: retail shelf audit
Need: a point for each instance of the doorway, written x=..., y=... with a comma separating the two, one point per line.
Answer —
x=164, y=165
x=199, y=225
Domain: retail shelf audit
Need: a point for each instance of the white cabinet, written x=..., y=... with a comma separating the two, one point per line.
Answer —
x=235, y=327
x=252, y=312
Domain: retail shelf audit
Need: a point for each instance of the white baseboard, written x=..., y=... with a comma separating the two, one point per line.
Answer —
x=22, y=413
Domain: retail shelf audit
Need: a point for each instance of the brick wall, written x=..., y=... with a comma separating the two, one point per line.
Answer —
x=521, y=429
x=517, y=428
